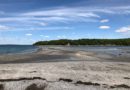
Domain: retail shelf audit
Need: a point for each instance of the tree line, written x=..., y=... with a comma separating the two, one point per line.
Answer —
x=124, y=42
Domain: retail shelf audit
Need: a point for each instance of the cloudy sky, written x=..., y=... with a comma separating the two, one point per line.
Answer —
x=28, y=21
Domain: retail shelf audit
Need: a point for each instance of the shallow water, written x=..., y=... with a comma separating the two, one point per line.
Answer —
x=13, y=49
x=113, y=50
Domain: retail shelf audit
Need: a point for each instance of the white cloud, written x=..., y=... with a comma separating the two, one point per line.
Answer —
x=111, y=10
x=58, y=36
x=41, y=35
x=123, y=29
x=104, y=27
x=84, y=11
x=2, y=27
x=61, y=37
x=28, y=34
x=43, y=24
x=39, y=28
x=79, y=11
x=63, y=15
x=52, y=28
x=104, y=20
x=67, y=14
x=47, y=36
x=16, y=18
x=62, y=12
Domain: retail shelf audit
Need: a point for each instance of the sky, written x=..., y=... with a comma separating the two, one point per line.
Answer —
x=28, y=21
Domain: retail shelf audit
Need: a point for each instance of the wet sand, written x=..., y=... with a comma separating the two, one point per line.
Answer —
x=61, y=69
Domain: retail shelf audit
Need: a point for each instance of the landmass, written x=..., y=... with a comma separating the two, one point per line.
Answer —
x=108, y=42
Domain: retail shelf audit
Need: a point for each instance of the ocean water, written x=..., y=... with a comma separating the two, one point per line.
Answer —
x=16, y=49
x=113, y=50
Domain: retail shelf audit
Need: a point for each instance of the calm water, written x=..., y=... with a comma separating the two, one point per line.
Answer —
x=91, y=48
x=114, y=50
x=12, y=49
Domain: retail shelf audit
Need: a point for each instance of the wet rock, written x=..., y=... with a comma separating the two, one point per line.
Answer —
x=120, y=86
x=36, y=87
x=126, y=78
x=20, y=79
x=87, y=83
x=1, y=87
x=33, y=72
x=120, y=54
x=66, y=80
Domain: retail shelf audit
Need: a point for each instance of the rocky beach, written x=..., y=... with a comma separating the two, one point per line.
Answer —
x=62, y=68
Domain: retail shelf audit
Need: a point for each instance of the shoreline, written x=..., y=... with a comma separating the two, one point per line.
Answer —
x=60, y=53
x=58, y=68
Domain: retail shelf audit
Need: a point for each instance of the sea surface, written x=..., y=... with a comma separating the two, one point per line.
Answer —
x=113, y=50
x=17, y=49
x=14, y=49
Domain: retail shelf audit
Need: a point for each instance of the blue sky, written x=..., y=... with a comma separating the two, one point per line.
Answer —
x=28, y=21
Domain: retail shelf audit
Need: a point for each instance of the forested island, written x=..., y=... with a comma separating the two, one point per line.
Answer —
x=123, y=42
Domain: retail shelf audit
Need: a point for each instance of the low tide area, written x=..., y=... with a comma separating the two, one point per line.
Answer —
x=66, y=68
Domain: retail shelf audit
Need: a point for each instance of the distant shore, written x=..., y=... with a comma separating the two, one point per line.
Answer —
x=68, y=42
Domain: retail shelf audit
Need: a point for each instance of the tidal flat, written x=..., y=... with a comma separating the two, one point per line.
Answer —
x=67, y=68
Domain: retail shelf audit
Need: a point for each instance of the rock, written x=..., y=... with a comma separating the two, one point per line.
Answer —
x=65, y=80
x=36, y=87
x=1, y=87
